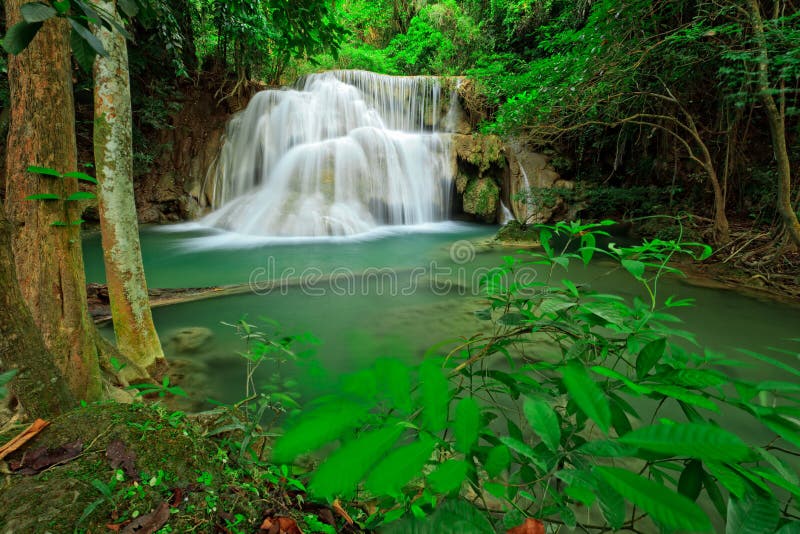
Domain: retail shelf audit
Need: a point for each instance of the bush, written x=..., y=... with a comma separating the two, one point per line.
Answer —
x=538, y=413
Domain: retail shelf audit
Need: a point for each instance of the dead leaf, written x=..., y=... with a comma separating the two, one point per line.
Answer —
x=23, y=437
x=285, y=525
x=530, y=526
x=120, y=457
x=337, y=507
x=42, y=458
x=149, y=523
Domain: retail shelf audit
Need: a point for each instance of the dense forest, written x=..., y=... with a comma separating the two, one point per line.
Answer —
x=640, y=138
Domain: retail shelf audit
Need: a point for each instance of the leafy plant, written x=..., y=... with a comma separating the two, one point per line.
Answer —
x=574, y=400
x=65, y=200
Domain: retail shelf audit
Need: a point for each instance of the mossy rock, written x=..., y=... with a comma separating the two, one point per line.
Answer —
x=481, y=199
x=171, y=457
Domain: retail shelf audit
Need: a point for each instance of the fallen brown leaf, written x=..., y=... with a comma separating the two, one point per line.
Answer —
x=286, y=525
x=149, y=523
x=40, y=459
x=121, y=457
x=530, y=526
x=337, y=507
x=23, y=437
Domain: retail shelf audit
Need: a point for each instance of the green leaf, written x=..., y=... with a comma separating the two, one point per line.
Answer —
x=435, y=395
x=62, y=6
x=467, y=424
x=43, y=196
x=128, y=7
x=396, y=382
x=497, y=460
x=76, y=222
x=90, y=38
x=399, y=467
x=523, y=449
x=728, y=478
x=81, y=176
x=20, y=36
x=691, y=481
x=587, y=395
x=317, y=428
x=81, y=195
x=668, y=508
x=82, y=51
x=649, y=356
x=59, y=223
x=341, y=472
x=789, y=528
x=689, y=439
x=607, y=449
x=636, y=268
x=44, y=170
x=37, y=12
x=753, y=514
x=588, y=244
x=449, y=476
x=543, y=421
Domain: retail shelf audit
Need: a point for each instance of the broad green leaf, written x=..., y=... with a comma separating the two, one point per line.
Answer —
x=37, y=12
x=399, y=467
x=317, y=428
x=587, y=395
x=691, y=481
x=789, y=528
x=752, y=514
x=607, y=449
x=610, y=373
x=581, y=494
x=44, y=170
x=435, y=394
x=58, y=223
x=611, y=503
x=341, y=472
x=544, y=421
x=705, y=442
x=81, y=176
x=729, y=478
x=396, y=381
x=649, y=356
x=636, y=268
x=467, y=424
x=43, y=196
x=666, y=507
x=81, y=195
x=497, y=460
x=88, y=36
x=683, y=395
x=588, y=244
x=772, y=361
x=82, y=51
x=448, y=476
x=523, y=449
x=129, y=7
x=454, y=516
x=715, y=495
x=20, y=36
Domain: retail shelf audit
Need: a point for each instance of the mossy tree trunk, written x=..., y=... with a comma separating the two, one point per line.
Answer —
x=49, y=259
x=39, y=385
x=127, y=288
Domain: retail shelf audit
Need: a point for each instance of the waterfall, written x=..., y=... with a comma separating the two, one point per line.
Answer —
x=341, y=153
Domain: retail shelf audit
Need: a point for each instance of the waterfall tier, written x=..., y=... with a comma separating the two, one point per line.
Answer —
x=342, y=153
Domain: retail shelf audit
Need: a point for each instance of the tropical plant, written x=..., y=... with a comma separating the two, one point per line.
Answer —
x=576, y=408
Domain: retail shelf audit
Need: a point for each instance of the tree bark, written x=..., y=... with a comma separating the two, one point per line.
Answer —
x=777, y=130
x=49, y=260
x=39, y=385
x=127, y=288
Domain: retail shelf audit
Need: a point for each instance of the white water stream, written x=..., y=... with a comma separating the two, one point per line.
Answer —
x=344, y=153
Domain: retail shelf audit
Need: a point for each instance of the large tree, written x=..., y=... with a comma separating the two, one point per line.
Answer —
x=48, y=258
x=127, y=288
x=39, y=385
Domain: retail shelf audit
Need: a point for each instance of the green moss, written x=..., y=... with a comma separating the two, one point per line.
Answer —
x=481, y=199
x=170, y=455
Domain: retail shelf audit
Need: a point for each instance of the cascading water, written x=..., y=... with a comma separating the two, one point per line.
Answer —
x=347, y=152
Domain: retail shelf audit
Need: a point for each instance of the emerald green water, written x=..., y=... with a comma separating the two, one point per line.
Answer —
x=392, y=295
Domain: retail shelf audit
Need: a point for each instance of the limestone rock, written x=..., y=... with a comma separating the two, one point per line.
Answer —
x=189, y=339
x=482, y=198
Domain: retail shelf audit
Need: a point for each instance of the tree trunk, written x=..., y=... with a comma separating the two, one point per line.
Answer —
x=777, y=130
x=49, y=259
x=39, y=385
x=127, y=288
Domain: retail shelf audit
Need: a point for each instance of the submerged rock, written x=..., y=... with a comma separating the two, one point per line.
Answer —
x=190, y=339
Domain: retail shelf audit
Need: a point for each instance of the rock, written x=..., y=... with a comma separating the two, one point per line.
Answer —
x=190, y=339
x=482, y=198
x=531, y=171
